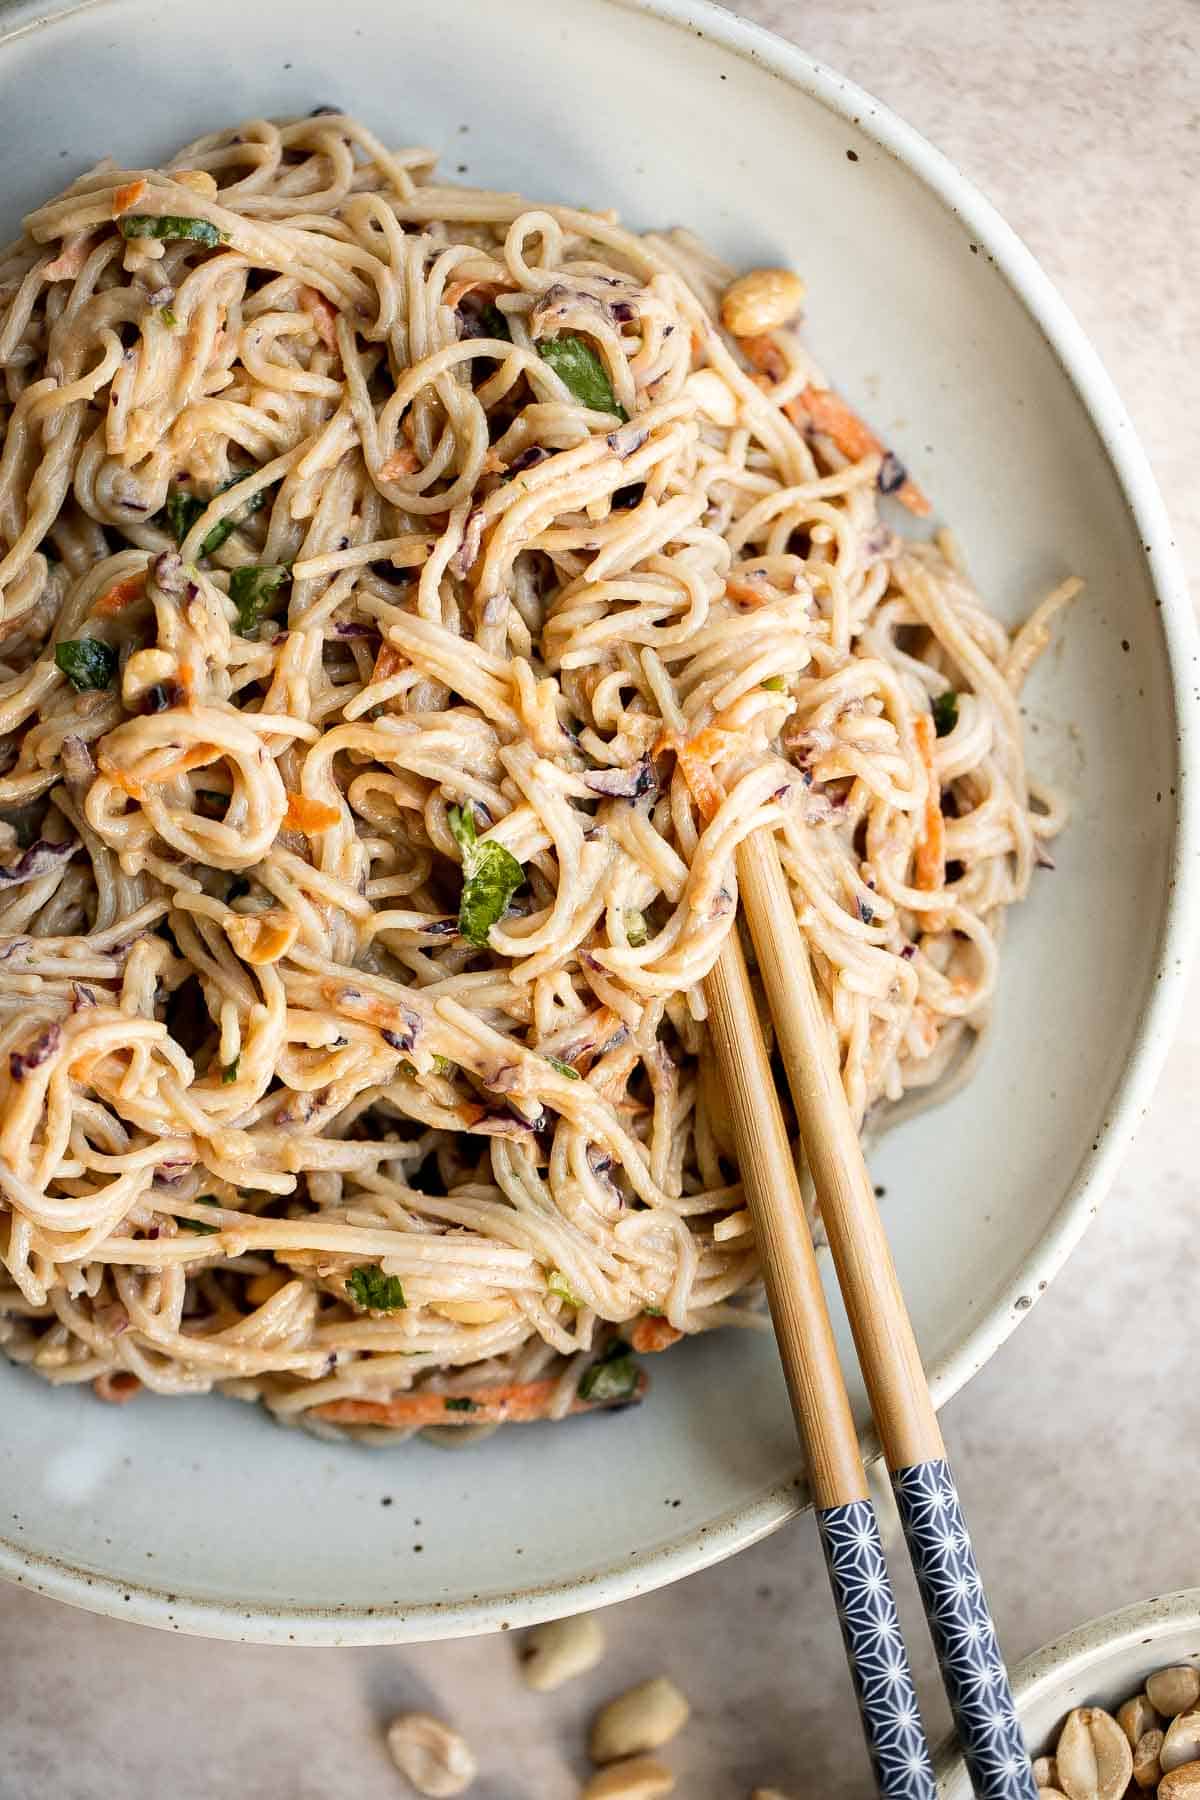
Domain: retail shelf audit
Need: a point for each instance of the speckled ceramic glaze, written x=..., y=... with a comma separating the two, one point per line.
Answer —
x=1100, y=1664
x=203, y=1516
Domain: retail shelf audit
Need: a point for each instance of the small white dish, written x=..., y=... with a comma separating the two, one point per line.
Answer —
x=201, y=1515
x=1100, y=1664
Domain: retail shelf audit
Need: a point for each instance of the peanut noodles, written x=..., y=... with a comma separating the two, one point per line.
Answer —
x=411, y=598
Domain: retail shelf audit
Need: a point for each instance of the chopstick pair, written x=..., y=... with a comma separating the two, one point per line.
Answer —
x=960, y=1624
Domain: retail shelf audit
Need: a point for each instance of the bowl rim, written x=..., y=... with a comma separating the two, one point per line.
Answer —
x=1067, y=1659
x=745, y=1525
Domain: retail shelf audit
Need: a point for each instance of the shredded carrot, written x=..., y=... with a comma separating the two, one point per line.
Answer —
x=744, y=592
x=128, y=196
x=508, y=1403
x=117, y=1386
x=931, y=851
x=695, y=757
x=828, y=412
x=324, y=314
x=122, y=595
x=764, y=354
x=309, y=816
x=458, y=290
x=400, y=462
x=68, y=264
x=389, y=662
x=650, y=1334
x=198, y=757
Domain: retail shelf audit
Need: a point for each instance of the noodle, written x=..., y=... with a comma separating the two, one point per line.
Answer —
x=411, y=598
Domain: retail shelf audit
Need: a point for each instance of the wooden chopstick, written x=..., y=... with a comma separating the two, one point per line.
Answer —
x=854, y=1555
x=964, y=1636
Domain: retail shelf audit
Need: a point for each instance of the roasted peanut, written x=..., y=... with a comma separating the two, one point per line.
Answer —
x=761, y=301
x=1181, y=1741
x=1147, y=1770
x=637, y=1778
x=558, y=1651
x=1136, y=1718
x=1093, y=1756
x=1173, y=1691
x=644, y=1718
x=437, y=1761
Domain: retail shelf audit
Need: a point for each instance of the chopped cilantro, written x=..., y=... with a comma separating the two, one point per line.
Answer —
x=564, y=1068
x=576, y=363
x=457, y=1403
x=171, y=226
x=167, y=315
x=229, y=1072
x=491, y=876
x=775, y=684
x=494, y=323
x=945, y=712
x=86, y=662
x=614, y=1377
x=198, y=1226
x=253, y=589
x=183, y=509
x=376, y=1291
x=636, y=928
x=557, y=1283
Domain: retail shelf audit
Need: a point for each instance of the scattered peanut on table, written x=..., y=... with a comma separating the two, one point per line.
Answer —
x=643, y=1718
x=1151, y=1745
x=560, y=1650
x=437, y=1761
x=634, y=1778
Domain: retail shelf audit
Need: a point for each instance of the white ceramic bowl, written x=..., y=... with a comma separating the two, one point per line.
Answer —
x=201, y=1515
x=1100, y=1664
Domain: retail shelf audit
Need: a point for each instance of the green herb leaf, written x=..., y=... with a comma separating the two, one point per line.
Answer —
x=636, y=928
x=491, y=876
x=461, y=820
x=167, y=315
x=375, y=1290
x=197, y=1226
x=945, y=712
x=654, y=1312
x=576, y=363
x=775, y=684
x=86, y=662
x=171, y=225
x=557, y=1283
x=183, y=509
x=229, y=1072
x=564, y=1068
x=494, y=323
x=443, y=1066
x=455, y=1403
x=253, y=589
x=614, y=1377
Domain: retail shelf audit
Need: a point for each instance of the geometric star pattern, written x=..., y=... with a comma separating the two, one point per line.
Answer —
x=963, y=1634
x=875, y=1651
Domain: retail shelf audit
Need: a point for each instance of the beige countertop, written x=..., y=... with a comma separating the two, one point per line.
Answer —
x=1075, y=1446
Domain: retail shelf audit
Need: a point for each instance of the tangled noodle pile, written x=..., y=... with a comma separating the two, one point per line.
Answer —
x=411, y=597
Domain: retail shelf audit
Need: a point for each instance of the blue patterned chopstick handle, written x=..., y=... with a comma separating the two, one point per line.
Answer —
x=866, y=1608
x=964, y=1637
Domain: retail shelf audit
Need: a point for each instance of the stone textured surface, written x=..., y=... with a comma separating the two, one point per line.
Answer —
x=1079, y=119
